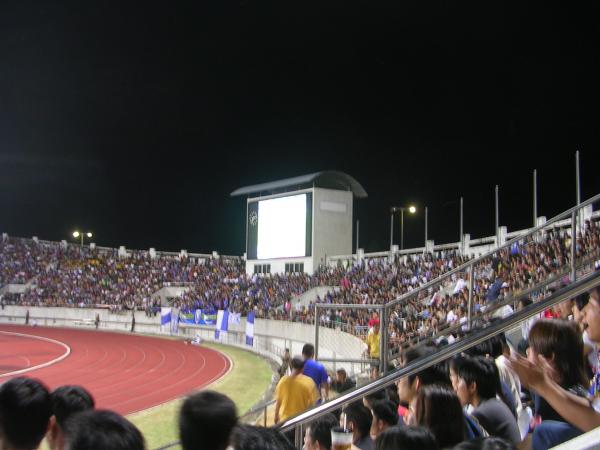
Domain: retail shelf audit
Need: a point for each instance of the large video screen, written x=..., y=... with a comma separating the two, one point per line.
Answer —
x=279, y=227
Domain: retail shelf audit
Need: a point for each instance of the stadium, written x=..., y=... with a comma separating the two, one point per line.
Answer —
x=116, y=321
x=293, y=225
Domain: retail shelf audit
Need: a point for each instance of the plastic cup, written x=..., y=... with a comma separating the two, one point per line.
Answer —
x=341, y=439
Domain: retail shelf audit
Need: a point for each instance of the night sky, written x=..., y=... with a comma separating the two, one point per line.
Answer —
x=136, y=122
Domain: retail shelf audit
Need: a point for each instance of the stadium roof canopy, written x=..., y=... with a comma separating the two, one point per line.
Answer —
x=329, y=179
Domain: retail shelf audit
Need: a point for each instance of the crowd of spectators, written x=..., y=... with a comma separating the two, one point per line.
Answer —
x=83, y=277
x=475, y=400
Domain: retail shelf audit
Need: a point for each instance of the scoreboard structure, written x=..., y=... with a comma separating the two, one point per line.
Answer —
x=292, y=225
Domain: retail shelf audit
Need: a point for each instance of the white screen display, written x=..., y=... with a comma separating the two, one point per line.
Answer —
x=282, y=227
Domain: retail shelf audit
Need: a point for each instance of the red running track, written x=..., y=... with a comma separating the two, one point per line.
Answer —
x=125, y=373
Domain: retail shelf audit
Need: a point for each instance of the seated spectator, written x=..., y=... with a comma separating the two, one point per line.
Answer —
x=342, y=383
x=580, y=415
x=25, y=410
x=559, y=342
x=478, y=384
x=368, y=400
x=490, y=443
x=438, y=409
x=248, y=437
x=66, y=401
x=318, y=433
x=359, y=420
x=406, y=438
x=409, y=386
x=101, y=430
x=385, y=415
x=206, y=420
x=294, y=393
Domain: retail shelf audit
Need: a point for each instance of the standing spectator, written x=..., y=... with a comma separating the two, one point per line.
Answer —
x=294, y=393
x=206, y=420
x=316, y=371
x=66, y=401
x=25, y=410
x=373, y=347
x=285, y=363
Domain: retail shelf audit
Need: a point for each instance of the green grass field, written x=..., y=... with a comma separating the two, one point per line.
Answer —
x=245, y=384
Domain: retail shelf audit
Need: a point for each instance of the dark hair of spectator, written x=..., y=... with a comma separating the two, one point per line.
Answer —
x=308, y=350
x=206, y=420
x=436, y=374
x=376, y=396
x=489, y=443
x=68, y=400
x=581, y=300
x=360, y=415
x=484, y=373
x=406, y=438
x=320, y=429
x=249, y=437
x=101, y=430
x=438, y=408
x=385, y=411
x=342, y=371
x=297, y=363
x=526, y=301
x=25, y=410
x=560, y=340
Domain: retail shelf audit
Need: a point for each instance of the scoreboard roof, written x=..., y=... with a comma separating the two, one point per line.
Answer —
x=329, y=179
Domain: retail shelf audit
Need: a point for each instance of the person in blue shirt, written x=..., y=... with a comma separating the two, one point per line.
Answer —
x=316, y=371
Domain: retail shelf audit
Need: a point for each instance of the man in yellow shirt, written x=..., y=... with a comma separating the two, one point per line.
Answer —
x=294, y=393
x=373, y=341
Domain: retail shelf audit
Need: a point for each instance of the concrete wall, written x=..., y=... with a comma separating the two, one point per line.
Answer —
x=278, y=265
x=332, y=224
x=311, y=295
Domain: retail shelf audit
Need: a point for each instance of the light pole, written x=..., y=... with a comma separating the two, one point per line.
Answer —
x=411, y=209
x=77, y=234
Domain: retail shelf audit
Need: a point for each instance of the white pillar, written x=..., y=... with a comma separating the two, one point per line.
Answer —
x=429, y=246
x=122, y=252
x=502, y=232
x=466, y=244
x=360, y=255
x=152, y=253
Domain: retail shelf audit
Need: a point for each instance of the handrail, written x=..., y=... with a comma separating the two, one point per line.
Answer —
x=473, y=262
x=507, y=301
x=569, y=291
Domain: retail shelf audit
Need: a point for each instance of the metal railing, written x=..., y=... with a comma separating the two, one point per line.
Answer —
x=298, y=422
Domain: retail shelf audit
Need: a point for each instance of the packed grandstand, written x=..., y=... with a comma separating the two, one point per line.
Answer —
x=79, y=276
x=481, y=392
